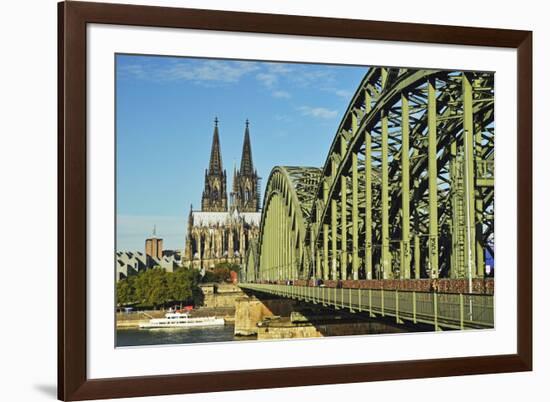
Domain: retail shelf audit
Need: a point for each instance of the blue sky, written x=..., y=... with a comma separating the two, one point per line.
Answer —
x=164, y=123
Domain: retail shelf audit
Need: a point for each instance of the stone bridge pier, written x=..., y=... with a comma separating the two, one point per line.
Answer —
x=250, y=310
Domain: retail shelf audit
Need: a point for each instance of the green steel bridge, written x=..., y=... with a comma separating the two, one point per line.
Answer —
x=404, y=202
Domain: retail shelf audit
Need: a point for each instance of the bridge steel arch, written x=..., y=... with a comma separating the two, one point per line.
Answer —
x=249, y=272
x=285, y=219
x=406, y=191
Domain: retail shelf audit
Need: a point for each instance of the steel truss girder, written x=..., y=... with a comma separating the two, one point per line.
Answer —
x=349, y=217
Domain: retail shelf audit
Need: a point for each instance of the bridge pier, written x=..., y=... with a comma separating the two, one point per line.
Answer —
x=249, y=311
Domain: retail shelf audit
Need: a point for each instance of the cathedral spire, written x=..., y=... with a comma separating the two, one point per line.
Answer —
x=246, y=160
x=246, y=181
x=215, y=166
x=214, y=196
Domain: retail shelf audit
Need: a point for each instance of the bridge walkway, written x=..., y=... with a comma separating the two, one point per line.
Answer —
x=442, y=310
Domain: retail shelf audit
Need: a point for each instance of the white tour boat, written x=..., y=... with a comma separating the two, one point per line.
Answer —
x=182, y=320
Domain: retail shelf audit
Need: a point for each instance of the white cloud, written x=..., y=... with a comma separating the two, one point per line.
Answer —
x=343, y=93
x=318, y=112
x=305, y=77
x=267, y=79
x=135, y=70
x=209, y=71
x=280, y=94
x=283, y=118
x=278, y=68
x=271, y=75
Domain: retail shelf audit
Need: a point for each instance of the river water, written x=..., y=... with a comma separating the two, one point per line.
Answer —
x=165, y=336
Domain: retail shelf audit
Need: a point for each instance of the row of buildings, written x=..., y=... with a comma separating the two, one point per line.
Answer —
x=220, y=231
x=132, y=262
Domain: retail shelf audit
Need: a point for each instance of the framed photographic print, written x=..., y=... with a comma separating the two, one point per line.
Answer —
x=329, y=200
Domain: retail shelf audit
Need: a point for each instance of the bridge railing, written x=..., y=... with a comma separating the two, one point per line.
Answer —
x=455, y=311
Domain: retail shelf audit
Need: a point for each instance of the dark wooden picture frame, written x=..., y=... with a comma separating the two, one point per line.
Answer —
x=73, y=383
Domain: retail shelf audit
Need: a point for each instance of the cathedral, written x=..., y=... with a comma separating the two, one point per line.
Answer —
x=221, y=231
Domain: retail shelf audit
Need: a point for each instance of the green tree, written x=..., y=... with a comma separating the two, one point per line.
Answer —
x=223, y=271
x=126, y=291
x=156, y=287
x=152, y=287
x=180, y=286
x=209, y=277
x=230, y=266
x=222, y=274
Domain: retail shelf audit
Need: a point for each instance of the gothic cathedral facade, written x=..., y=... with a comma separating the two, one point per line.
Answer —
x=222, y=232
